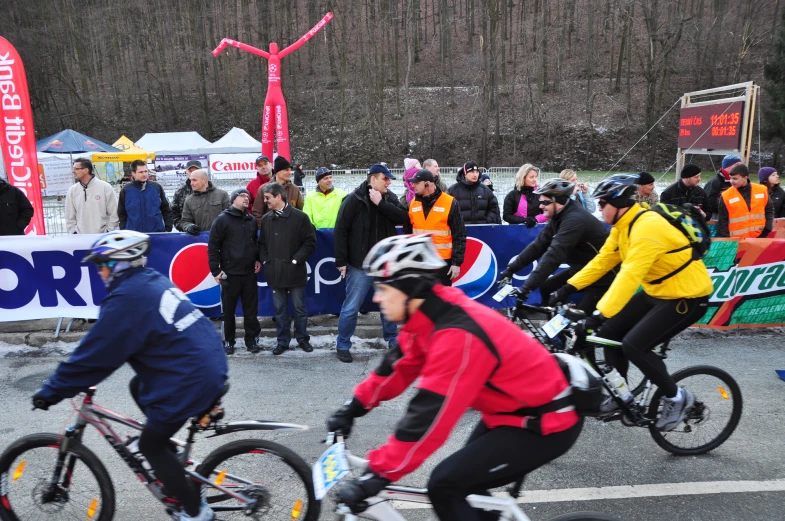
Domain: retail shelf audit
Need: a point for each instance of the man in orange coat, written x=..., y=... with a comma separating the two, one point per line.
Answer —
x=438, y=213
x=745, y=212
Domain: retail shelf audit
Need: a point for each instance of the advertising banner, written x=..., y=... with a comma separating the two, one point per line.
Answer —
x=233, y=166
x=170, y=170
x=17, y=136
x=58, y=175
x=43, y=277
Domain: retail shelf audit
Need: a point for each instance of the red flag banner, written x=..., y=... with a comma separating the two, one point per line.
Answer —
x=17, y=138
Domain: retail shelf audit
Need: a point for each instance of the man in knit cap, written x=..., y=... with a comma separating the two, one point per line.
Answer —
x=718, y=184
x=769, y=177
x=687, y=189
x=646, y=192
x=232, y=255
x=322, y=205
x=282, y=174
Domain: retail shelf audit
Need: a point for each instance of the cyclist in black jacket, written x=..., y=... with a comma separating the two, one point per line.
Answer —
x=572, y=236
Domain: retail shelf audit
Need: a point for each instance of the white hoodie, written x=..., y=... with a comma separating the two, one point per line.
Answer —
x=92, y=209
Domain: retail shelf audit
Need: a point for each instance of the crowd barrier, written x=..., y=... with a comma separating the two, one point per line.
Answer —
x=43, y=277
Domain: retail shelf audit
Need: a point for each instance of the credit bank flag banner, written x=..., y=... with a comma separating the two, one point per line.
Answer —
x=17, y=138
x=43, y=277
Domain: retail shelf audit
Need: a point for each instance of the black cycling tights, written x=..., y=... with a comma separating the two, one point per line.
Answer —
x=491, y=458
x=641, y=325
x=154, y=445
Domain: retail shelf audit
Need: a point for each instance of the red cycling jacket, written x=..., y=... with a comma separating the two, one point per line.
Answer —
x=466, y=355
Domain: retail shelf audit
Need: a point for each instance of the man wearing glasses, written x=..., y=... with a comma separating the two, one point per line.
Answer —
x=572, y=236
x=90, y=204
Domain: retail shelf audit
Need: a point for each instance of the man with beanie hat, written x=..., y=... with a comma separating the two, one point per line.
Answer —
x=282, y=174
x=687, y=189
x=477, y=202
x=232, y=255
x=322, y=205
x=263, y=170
x=367, y=215
x=769, y=177
x=571, y=236
x=718, y=184
x=745, y=209
x=438, y=214
x=646, y=192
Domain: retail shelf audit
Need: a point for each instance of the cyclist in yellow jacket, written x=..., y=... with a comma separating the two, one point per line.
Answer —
x=676, y=290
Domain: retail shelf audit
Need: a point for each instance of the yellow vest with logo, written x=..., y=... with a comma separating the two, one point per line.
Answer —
x=436, y=224
x=743, y=222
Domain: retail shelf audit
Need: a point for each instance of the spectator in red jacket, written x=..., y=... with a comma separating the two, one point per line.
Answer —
x=263, y=175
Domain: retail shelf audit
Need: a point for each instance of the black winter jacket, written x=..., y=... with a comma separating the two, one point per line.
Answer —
x=679, y=194
x=361, y=224
x=454, y=221
x=714, y=189
x=513, y=199
x=746, y=193
x=16, y=212
x=777, y=197
x=477, y=202
x=178, y=201
x=282, y=239
x=231, y=247
x=573, y=236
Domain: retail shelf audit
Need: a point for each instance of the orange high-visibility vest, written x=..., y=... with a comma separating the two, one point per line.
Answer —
x=743, y=222
x=436, y=223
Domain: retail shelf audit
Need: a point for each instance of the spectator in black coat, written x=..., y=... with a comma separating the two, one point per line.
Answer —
x=286, y=240
x=572, y=236
x=477, y=202
x=687, y=189
x=717, y=185
x=769, y=177
x=233, y=258
x=16, y=212
x=522, y=205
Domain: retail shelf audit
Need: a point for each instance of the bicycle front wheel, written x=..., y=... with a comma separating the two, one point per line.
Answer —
x=713, y=418
x=82, y=490
x=585, y=516
x=270, y=473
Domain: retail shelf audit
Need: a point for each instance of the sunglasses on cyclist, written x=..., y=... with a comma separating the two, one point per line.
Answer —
x=546, y=202
x=602, y=204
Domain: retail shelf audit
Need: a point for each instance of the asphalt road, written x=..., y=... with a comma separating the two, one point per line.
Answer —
x=612, y=469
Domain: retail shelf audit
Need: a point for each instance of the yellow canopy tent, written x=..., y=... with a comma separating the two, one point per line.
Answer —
x=130, y=152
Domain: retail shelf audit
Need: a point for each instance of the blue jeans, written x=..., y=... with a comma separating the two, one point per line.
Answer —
x=281, y=304
x=357, y=286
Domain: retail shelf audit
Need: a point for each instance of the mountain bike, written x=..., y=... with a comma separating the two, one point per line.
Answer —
x=55, y=476
x=337, y=462
x=709, y=422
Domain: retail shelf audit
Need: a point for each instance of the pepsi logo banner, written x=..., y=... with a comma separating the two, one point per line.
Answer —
x=43, y=277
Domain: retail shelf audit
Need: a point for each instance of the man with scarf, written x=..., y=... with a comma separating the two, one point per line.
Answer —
x=718, y=185
x=438, y=214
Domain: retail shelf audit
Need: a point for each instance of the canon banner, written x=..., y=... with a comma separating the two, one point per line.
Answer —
x=44, y=277
x=233, y=166
x=17, y=137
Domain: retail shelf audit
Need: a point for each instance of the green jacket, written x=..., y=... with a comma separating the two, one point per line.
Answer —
x=323, y=209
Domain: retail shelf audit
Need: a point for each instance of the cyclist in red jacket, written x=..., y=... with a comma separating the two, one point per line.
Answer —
x=465, y=355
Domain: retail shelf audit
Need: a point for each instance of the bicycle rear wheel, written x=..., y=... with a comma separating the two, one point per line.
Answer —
x=585, y=516
x=713, y=418
x=83, y=490
x=274, y=475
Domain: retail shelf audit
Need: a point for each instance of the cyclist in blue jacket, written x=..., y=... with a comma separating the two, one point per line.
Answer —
x=175, y=351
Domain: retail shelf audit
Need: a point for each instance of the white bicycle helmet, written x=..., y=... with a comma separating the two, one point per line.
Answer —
x=402, y=256
x=120, y=245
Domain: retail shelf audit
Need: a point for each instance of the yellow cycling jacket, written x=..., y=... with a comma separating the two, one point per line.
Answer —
x=644, y=258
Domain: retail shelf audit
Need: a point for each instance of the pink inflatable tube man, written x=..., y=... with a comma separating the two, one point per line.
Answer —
x=275, y=99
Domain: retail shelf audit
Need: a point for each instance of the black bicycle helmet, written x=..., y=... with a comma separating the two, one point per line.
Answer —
x=617, y=189
x=557, y=189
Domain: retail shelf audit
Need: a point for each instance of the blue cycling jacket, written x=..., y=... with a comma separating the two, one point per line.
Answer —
x=149, y=323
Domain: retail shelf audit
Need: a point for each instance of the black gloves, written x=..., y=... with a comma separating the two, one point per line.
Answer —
x=530, y=222
x=523, y=292
x=342, y=420
x=590, y=324
x=192, y=229
x=354, y=492
x=505, y=278
x=39, y=402
x=561, y=295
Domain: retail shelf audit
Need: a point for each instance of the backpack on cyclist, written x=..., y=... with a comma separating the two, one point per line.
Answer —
x=690, y=222
x=586, y=385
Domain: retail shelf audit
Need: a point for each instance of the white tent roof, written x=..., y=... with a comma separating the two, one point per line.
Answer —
x=235, y=141
x=174, y=143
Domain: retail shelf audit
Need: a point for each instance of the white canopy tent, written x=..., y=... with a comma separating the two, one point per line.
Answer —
x=174, y=143
x=236, y=141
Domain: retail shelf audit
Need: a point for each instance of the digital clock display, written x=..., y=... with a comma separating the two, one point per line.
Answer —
x=715, y=126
